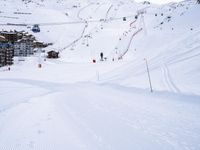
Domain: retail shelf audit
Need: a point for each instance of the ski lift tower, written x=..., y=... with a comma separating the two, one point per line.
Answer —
x=39, y=58
x=39, y=50
x=141, y=13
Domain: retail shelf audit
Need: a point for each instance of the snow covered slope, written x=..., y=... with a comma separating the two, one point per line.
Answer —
x=71, y=103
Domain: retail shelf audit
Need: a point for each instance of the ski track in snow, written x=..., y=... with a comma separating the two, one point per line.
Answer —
x=168, y=80
x=86, y=24
x=83, y=121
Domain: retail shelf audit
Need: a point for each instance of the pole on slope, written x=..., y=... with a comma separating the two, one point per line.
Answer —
x=150, y=84
x=39, y=58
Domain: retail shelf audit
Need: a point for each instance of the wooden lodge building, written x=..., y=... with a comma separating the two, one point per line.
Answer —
x=53, y=54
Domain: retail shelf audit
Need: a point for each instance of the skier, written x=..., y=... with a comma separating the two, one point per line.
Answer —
x=101, y=55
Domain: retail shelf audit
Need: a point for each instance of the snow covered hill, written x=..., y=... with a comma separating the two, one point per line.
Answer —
x=72, y=103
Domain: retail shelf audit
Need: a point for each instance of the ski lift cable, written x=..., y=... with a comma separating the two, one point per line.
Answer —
x=76, y=40
x=129, y=44
x=82, y=34
x=73, y=22
x=62, y=23
x=108, y=11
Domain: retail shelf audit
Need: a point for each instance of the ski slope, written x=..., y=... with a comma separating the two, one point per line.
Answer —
x=72, y=103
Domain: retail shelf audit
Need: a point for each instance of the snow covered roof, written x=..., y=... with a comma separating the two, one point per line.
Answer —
x=7, y=32
x=2, y=39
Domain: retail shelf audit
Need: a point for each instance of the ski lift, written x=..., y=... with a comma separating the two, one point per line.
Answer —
x=124, y=18
x=36, y=28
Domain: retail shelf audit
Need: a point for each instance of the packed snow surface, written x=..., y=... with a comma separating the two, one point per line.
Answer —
x=72, y=103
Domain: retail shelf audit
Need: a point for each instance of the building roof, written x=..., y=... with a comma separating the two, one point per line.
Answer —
x=52, y=52
x=25, y=40
x=2, y=39
x=8, y=32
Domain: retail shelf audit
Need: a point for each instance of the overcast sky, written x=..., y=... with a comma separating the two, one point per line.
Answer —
x=159, y=1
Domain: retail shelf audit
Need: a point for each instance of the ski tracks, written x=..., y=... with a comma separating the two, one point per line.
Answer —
x=168, y=79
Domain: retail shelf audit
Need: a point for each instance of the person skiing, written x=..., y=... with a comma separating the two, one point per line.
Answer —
x=101, y=55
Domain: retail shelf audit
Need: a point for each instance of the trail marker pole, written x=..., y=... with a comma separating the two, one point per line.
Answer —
x=150, y=84
x=39, y=58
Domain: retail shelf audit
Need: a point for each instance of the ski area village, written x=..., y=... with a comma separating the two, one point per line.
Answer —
x=99, y=75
